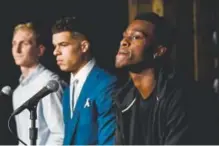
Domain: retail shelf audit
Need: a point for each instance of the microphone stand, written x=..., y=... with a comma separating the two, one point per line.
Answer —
x=33, y=130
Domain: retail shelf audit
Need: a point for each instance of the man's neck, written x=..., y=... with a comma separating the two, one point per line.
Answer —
x=144, y=81
x=27, y=70
x=74, y=72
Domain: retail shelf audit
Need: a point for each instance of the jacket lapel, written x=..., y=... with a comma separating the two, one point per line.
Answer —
x=66, y=106
x=86, y=90
x=71, y=124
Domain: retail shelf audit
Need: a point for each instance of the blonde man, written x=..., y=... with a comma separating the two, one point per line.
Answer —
x=27, y=48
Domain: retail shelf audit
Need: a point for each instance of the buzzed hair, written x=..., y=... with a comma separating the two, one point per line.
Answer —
x=164, y=32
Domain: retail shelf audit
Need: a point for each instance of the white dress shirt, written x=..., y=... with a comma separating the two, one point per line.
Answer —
x=49, y=109
x=81, y=77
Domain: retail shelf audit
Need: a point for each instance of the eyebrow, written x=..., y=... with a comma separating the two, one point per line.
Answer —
x=60, y=43
x=141, y=31
x=137, y=30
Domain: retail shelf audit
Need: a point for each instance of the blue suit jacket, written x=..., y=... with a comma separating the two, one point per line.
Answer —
x=95, y=123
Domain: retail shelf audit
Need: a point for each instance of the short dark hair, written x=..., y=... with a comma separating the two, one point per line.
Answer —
x=164, y=32
x=73, y=25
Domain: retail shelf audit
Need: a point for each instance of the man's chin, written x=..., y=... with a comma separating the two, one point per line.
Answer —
x=120, y=65
x=64, y=69
x=138, y=67
x=18, y=63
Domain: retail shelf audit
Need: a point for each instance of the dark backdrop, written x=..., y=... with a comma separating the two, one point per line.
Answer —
x=109, y=17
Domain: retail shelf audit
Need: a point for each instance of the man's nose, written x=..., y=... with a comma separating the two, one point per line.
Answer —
x=17, y=48
x=124, y=43
x=56, y=51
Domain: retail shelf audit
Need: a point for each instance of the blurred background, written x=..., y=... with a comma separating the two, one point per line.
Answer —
x=109, y=19
x=195, y=53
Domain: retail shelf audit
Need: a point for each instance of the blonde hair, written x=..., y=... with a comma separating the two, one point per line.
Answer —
x=30, y=27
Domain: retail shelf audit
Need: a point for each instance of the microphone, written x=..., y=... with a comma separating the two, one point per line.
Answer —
x=51, y=86
x=6, y=91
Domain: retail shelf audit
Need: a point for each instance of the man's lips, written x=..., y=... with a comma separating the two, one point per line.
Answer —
x=122, y=53
x=18, y=57
x=59, y=61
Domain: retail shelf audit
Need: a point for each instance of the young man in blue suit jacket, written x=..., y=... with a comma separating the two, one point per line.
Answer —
x=87, y=104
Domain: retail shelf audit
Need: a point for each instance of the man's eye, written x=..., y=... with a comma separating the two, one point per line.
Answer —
x=135, y=37
x=64, y=44
x=25, y=43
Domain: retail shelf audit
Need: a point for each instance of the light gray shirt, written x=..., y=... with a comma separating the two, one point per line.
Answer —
x=49, y=109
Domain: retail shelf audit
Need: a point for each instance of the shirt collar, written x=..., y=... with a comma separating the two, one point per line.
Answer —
x=82, y=74
x=23, y=81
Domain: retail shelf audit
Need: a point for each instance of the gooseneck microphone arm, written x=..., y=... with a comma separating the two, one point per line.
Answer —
x=31, y=105
x=49, y=88
x=33, y=131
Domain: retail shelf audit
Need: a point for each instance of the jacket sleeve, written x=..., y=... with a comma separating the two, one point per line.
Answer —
x=53, y=114
x=192, y=118
x=176, y=131
x=106, y=117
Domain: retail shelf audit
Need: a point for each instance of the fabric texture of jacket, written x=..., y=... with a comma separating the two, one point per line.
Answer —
x=93, y=119
x=183, y=113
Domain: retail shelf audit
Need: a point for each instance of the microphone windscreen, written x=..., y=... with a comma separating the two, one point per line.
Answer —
x=52, y=85
x=7, y=90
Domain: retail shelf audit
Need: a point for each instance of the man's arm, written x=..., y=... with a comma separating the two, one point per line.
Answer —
x=177, y=124
x=106, y=115
x=192, y=118
x=53, y=114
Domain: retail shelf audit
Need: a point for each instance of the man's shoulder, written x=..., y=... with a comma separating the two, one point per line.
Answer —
x=47, y=75
x=189, y=92
x=191, y=87
x=104, y=77
x=102, y=72
x=104, y=80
